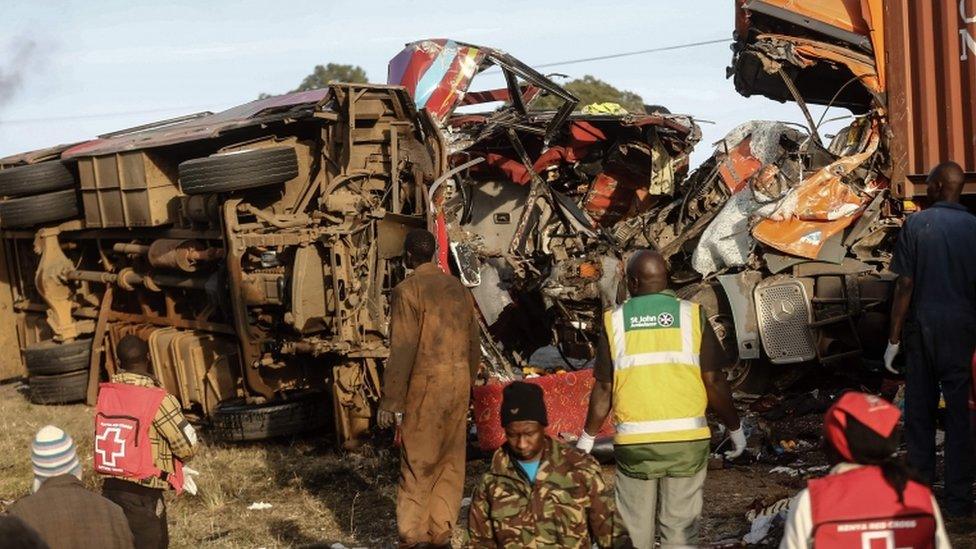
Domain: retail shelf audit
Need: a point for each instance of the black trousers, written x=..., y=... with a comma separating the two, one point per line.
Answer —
x=939, y=352
x=145, y=510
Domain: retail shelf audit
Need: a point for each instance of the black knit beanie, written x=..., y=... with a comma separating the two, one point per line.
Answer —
x=523, y=402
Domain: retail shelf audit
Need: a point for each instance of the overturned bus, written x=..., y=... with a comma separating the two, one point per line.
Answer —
x=254, y=249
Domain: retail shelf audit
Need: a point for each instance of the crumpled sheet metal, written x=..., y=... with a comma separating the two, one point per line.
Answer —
x=801, y=237
x=803, y=52
x=738, y=166
x=817, y=209
x=436, y=73
x=492, y=295
x=862, y=68
x=633, y=175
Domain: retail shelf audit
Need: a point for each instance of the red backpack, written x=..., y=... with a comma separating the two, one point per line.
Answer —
x=123, y=416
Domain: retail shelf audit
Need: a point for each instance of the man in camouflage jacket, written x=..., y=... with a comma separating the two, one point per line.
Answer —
x=539, y=492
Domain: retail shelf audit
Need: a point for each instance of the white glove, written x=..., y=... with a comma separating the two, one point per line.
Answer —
x=190, y=485
x=889, y=357
x=738, y=443
x=585, y=442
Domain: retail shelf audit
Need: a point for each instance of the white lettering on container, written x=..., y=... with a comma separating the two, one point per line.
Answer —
x=962, y=12
x=967, y=42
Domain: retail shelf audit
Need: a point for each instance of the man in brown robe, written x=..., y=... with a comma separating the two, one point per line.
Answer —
x=434, y=355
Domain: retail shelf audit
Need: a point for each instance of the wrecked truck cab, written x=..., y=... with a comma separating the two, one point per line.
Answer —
x=794, y=269
x=795, y=260
x=774, y=297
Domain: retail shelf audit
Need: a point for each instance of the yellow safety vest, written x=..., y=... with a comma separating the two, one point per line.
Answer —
x=658, y=393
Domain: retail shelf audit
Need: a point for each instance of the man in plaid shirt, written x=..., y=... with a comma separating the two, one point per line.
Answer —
x=172, y=441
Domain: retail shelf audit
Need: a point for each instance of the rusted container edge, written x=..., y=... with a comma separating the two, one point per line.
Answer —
x=931, y=74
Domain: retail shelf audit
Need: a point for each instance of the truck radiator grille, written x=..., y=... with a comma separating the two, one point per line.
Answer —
x=784, y=317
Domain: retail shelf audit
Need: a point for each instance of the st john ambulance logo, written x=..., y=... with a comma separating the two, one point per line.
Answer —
x=665, y=320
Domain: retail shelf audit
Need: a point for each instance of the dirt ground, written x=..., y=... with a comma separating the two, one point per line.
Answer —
x=319, y=497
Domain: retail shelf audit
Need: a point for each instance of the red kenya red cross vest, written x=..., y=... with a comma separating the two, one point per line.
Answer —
x=860, y=510
x=123, y=416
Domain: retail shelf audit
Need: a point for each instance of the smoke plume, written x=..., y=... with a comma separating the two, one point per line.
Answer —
x=21, y=58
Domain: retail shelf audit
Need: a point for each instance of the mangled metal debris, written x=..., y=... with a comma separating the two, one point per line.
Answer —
x=784, y=238
x=553, y=202
x=530, y=227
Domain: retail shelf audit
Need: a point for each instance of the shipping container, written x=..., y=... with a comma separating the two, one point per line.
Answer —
x=930, y=58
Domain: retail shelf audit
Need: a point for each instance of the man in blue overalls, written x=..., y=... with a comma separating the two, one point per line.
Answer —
x=935, y=303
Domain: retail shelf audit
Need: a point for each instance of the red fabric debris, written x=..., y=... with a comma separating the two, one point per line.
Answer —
x=608, y=199
x=567, y=399
x=582, y=135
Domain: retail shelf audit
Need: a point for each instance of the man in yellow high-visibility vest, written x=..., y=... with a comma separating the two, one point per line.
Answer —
x=658, y=366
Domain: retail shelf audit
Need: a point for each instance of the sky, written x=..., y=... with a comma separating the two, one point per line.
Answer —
x=72, y=70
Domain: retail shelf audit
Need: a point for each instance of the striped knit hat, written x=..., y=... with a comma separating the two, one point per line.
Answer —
x=53, y=454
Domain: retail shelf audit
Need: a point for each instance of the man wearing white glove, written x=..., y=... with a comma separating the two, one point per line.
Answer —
x=659, y=365
x=189, y=480
x=891, y=351
x=934, y=311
